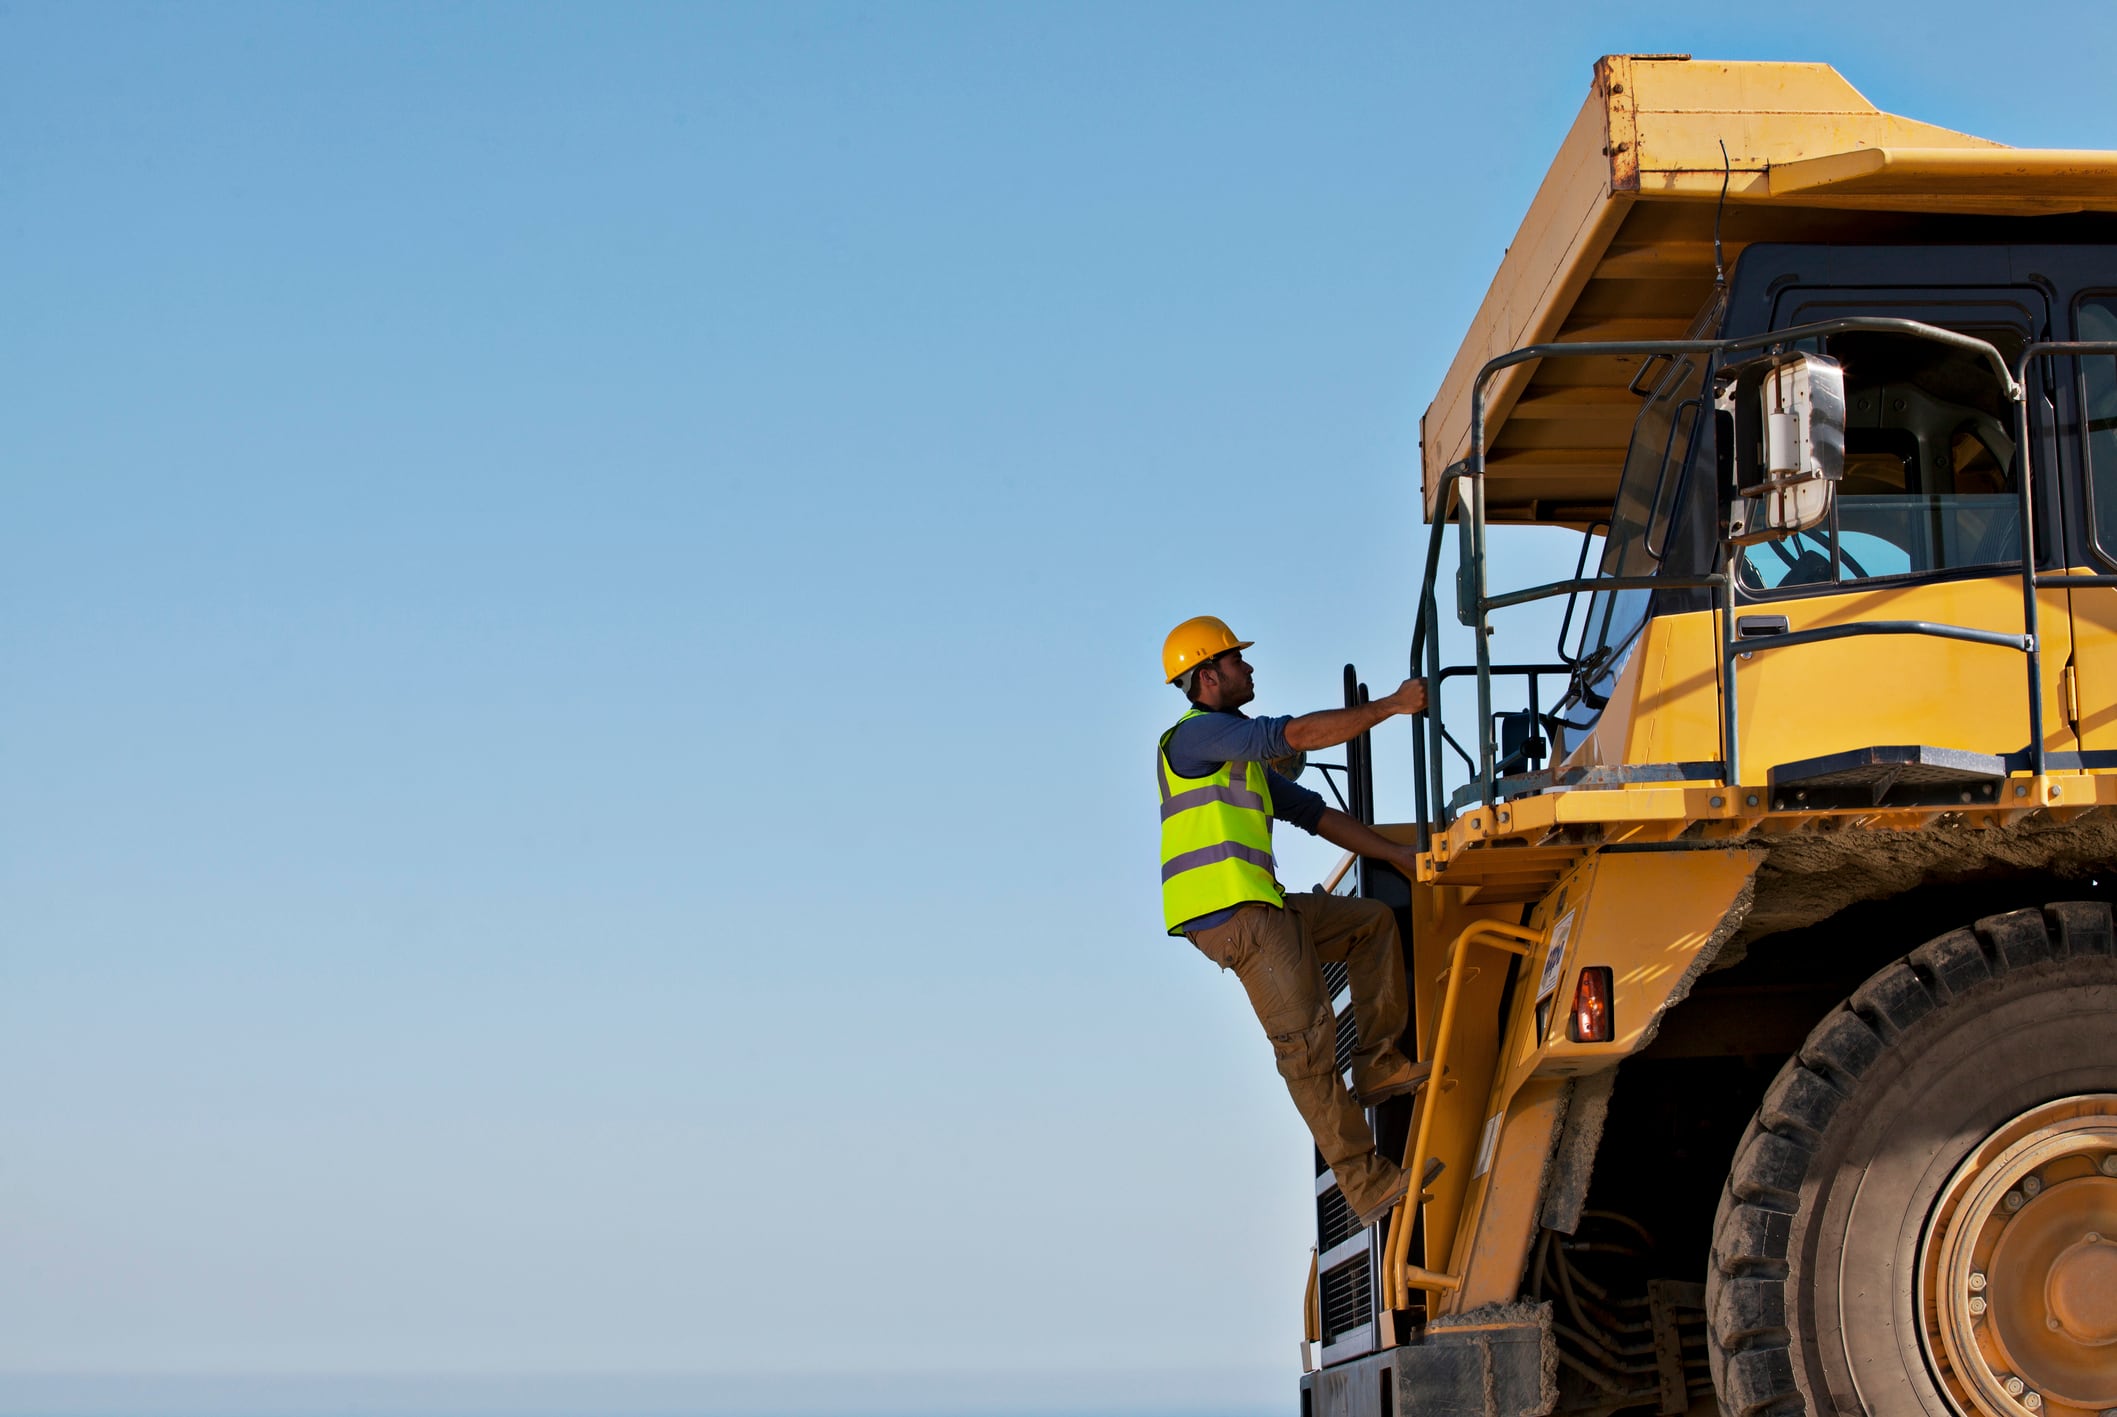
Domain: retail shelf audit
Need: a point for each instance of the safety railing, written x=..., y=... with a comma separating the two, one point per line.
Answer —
x=1460, y=499
x=1399, y=1275
x=1532, y=674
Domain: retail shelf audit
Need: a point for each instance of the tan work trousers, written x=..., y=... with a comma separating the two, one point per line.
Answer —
x=1278, y=955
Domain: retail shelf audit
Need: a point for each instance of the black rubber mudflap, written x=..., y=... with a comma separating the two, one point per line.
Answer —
x=1907, y=776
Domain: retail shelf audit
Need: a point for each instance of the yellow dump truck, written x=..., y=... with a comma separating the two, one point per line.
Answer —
x=1760, y=939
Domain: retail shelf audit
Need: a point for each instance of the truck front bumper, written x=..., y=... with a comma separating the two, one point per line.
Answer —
x=1500, y=1362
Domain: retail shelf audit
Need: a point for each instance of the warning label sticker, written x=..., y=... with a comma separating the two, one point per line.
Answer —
x=1555, y=962
x=1489, y=1144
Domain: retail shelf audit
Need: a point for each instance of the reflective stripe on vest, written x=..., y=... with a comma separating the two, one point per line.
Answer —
x=1216, y=838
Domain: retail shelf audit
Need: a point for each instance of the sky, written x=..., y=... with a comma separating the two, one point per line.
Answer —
x=580, y=592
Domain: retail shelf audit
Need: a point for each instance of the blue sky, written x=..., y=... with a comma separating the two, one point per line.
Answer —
x=579, y=599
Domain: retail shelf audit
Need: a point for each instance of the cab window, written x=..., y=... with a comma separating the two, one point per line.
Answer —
x=2098, y=321
x=1930, y=469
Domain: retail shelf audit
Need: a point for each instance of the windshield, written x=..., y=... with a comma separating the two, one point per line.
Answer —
x=1645, y=516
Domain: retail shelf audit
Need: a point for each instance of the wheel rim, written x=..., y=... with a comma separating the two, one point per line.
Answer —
x=2018, y=1268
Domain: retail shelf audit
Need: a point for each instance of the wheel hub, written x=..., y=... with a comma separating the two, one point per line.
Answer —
x=2018, y=1267
x=2082, y=1291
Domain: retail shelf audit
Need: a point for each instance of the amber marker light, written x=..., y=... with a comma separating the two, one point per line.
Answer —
x=1593, y=1021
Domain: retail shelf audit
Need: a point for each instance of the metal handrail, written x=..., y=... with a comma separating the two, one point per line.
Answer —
x=1551, y=589
x=1399, y=1275
x=1884, y=627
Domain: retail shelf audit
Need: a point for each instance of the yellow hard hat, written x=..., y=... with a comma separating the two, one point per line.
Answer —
x=1194, y=642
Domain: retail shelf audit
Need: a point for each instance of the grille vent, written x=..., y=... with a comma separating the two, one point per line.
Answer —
x=1336, y=976
x=1335, y=1221
x=1348, y=1039
x=1347, y=1298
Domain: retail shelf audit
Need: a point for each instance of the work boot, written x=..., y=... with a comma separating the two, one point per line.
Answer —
x=1381, y=1195
x=1389, y=1074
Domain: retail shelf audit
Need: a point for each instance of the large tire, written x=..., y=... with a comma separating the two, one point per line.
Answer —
x=1824, y=1222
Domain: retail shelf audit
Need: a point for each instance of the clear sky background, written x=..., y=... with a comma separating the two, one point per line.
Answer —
x=580, y=591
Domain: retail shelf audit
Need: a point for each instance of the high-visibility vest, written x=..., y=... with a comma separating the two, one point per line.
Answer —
x=1216, y=838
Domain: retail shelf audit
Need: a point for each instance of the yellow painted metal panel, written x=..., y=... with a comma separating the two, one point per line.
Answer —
x=1505, y=1199
x=2094, y=622
x=2085, y=178
x=1900, y=689
x=1646, y=916
x=1631, y=804
x=1665, y=705
x=1677, y=718
x=1717, y=87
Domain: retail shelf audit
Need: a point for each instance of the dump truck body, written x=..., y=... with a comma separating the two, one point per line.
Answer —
x=1801, y=816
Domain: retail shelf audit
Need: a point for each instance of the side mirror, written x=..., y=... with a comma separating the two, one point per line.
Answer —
x=1782, y=443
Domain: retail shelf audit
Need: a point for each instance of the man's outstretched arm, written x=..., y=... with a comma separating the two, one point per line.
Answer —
x=1327, y=728
x=1363, y=840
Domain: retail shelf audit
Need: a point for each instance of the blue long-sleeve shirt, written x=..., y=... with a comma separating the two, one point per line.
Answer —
x=1201, y=744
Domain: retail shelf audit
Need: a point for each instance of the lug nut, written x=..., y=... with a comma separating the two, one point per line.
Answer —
x=2032, y=1400
x=1977, y=1305
x=2012, y=1201
x=2032, y=1186
x=2108, y=1167
x=2013, y=1385
x=1977, y=1281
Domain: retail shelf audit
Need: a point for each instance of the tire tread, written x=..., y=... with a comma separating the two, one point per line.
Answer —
x=2017, y=938
x=1956, y=962
x=2081, y=927
x=1841, y=1048
x=1799, y=1105
x=1893, y=999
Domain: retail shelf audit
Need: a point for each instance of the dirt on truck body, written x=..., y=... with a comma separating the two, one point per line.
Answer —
x=1761, y=937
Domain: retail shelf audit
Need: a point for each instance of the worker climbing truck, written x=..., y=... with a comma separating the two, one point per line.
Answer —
x=1760, y=936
